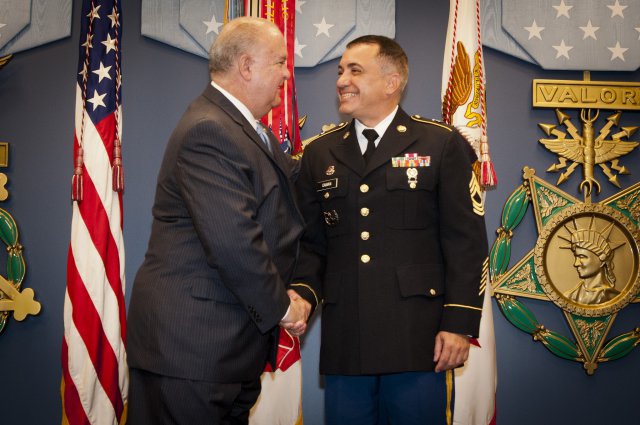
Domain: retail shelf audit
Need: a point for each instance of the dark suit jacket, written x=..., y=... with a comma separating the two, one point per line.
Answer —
x=223, y=245
x=398, y=264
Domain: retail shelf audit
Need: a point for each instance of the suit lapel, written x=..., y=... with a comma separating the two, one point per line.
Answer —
x=279, y=157
x=395, y=140
x=276, y=156
x=348, y=152
x=229, y=108
x=276, y=151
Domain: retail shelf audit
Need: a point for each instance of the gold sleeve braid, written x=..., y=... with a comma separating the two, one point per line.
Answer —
x=304, y=285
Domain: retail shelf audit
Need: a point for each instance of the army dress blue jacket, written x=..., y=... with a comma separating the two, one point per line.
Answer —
x=396, y=246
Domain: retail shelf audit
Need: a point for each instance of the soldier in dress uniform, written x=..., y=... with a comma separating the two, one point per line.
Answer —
x=396, y=238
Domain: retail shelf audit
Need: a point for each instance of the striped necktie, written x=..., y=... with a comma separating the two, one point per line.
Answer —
x=262, y=132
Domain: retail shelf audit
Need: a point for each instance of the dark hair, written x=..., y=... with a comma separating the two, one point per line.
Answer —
x=389, y=52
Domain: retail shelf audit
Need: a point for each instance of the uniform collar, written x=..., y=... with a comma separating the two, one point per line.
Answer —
x=380, y=128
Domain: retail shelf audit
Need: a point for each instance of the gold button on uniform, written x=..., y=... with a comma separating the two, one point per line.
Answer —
x=365, y=258
x=364, y=188
x=326, y=195
x=364, y=235
x=432, y=291
x=364, y=211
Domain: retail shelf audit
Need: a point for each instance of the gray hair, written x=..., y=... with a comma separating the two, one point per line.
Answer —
x=239, y=36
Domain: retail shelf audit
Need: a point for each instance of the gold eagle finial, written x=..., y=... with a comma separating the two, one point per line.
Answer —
x=460, y=84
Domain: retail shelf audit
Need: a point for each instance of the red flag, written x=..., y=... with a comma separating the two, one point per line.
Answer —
x=280, y=401
x=283, y=119
x=95, y=379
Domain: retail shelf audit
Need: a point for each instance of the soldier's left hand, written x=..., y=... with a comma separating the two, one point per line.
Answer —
x=451, y=350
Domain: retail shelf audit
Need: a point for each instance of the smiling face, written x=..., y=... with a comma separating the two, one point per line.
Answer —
x=365, y=91
x=268, y=73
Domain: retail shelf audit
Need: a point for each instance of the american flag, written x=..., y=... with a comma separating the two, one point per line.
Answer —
x=95, y=380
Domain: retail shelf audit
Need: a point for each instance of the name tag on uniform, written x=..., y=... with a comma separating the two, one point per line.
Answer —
x=410, y=160
x=327, y=185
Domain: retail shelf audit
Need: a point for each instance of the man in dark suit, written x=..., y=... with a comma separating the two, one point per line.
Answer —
x=396, y=235
x=214, y=285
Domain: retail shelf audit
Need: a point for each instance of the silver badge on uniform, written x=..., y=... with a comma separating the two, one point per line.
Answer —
x=330, y=170
x=412, y=174
x=331, y=218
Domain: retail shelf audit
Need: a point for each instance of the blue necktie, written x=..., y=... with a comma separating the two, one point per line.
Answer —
x=262, y=132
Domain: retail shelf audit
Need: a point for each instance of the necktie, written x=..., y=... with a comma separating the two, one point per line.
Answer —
x=262, y=132
x=371, y=135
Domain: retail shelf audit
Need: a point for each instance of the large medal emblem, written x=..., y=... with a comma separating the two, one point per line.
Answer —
x=13, y=297
x=586, y=257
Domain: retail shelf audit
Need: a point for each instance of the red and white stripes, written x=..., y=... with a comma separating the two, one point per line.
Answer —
x=94, y=358
x=94, y=364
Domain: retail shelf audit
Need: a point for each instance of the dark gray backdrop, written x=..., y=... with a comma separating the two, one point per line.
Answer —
x=37, y=94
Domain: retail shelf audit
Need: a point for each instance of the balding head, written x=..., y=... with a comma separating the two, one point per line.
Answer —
x=239, y=36
x=249, y=60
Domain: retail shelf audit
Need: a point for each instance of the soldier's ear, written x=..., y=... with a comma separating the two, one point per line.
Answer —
x=393, y=83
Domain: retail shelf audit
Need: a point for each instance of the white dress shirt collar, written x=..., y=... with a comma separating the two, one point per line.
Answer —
x=380, y=128
x=241, y=106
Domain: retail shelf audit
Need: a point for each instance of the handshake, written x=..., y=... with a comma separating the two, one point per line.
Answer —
x=295, y=321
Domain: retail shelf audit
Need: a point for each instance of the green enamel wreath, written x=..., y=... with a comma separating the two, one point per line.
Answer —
x=15, y=261
x=515, y=311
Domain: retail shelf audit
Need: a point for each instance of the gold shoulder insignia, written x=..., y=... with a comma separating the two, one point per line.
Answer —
x=5, y=60
x=326, y=129
x=476, y=195
x=418, y=118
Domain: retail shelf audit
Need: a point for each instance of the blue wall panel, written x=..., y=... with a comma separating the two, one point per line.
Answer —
x=37, y=95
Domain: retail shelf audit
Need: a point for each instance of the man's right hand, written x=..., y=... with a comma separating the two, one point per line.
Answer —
x=295, y=320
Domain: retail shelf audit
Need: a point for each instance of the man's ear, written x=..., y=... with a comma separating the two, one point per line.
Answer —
x=393, y=83
x=245, y=64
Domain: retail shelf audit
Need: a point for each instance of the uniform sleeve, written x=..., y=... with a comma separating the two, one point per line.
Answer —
x=463, y=238
x=293, y=167
x=311, y=261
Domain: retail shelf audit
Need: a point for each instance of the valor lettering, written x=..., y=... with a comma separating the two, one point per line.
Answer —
x=548, y=92
x=586, y=94
x=628, y=96
x=567, y=94
x=607, y=95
